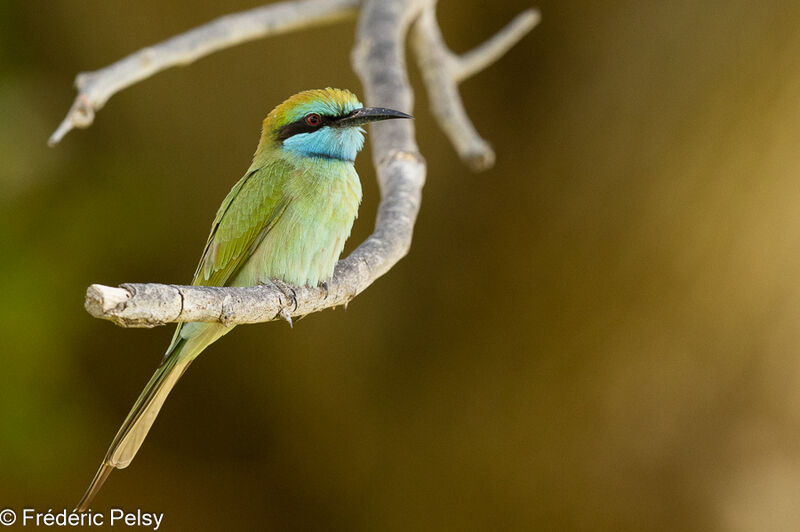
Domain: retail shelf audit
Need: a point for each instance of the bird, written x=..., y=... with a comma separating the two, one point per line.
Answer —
x=283, y=223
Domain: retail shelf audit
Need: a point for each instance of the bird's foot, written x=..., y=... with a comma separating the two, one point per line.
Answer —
x=286, y=315
x=291, y=299
x=324, y=287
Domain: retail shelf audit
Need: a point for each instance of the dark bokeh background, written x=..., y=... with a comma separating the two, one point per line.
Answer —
x=600, y=333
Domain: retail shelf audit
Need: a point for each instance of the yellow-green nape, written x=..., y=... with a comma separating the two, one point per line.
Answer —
x=326, y=102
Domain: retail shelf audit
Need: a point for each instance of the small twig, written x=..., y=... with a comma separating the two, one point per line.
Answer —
x=378, y=58
x=486, y=53
x=442, y=70
x=95, y=88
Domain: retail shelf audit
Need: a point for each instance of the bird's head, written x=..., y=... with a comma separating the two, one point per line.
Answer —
x=322, y=123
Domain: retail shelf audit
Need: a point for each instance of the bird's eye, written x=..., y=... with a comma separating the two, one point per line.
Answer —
x=313, y=120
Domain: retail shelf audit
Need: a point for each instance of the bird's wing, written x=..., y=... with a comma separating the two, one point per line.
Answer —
x=246, y=215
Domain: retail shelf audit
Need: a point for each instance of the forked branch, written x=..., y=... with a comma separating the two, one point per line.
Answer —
x=378, y=58
x=442, y=70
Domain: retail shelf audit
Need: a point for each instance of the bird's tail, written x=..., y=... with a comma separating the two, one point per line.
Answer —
x=141, y=417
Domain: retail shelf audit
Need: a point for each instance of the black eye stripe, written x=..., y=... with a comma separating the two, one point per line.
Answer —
x=300, y=126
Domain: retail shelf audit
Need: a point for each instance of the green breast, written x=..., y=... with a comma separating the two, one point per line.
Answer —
x=303, y=246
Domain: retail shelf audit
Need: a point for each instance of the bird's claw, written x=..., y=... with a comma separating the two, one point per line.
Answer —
x=324, y=287
x=291, y=297
x=284, y=314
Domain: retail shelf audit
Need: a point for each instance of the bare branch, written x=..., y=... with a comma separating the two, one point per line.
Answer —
x=378, y=58
x=442, y=71
x=483, y=55
x=95, y=88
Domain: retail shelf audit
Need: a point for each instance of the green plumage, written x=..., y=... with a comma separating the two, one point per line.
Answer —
x=287, y=219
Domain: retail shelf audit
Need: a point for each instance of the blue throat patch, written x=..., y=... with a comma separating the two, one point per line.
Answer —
x=328, y=142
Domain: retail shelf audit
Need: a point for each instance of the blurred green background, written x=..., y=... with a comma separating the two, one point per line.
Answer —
x=600, y=333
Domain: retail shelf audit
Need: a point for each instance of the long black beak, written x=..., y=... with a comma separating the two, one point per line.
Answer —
x=368, y=114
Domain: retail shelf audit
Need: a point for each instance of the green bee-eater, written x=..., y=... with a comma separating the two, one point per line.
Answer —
x=285, y=221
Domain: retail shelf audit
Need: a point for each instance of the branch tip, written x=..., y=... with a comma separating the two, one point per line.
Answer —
x=95, y=88
x=488, y=52
x=102, y=300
